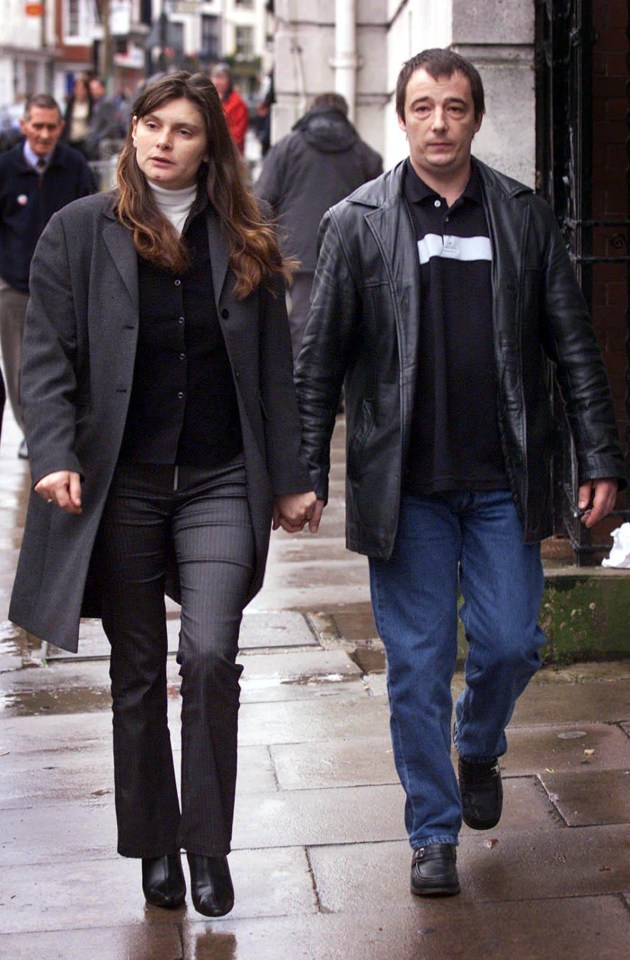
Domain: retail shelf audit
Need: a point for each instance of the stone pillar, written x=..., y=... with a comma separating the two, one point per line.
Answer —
x=498, y=36
x=305, y=63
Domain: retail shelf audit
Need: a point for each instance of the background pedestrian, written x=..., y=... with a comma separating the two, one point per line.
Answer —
x=320, y=162
x=105, y=133
x=38, y=176
x=78, y=115
x=234, y=106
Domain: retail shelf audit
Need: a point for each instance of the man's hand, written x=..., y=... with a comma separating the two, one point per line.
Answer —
x=63, y=488
x=597, y=498
x=292, y=510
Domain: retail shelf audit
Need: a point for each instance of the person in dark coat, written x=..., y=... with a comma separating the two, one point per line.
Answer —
x=38, y=176
x=320, y=162
x=104, y=132
x=164, y=436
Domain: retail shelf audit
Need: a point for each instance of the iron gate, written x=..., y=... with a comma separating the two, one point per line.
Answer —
x=565, y=40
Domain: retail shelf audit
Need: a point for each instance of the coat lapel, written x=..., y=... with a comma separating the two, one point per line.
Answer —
x=119, y=243
x=218, y=253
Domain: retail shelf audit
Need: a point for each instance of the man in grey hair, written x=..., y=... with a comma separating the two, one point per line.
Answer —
x=37, y=177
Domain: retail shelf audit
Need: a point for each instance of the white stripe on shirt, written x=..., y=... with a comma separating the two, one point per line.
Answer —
x=454, y=248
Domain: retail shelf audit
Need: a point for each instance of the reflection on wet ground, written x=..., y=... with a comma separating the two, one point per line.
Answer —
x=320, y=858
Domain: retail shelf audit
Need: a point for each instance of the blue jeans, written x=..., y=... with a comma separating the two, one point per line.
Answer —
x=474, y=540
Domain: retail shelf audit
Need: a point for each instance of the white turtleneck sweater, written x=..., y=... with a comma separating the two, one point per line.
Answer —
x=175, y=204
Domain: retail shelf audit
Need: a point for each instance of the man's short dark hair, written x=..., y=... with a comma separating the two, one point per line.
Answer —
x=330, y=101
x=440, y=63
x=42, y=100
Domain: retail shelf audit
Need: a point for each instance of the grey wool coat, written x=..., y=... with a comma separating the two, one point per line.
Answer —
x=79, y=353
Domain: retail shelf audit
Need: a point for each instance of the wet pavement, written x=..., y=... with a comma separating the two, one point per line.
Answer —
x=320, y=861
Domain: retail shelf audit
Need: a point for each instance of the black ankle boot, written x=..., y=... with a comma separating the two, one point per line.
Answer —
x=211, y=885
x=163, y=881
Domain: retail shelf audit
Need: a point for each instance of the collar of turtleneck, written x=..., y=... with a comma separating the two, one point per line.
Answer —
x=175, y=204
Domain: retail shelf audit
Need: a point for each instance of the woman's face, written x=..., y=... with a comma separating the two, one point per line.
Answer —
x=171, y=144
x=80, y=89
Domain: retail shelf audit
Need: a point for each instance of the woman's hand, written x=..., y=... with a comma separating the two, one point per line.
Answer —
x=63, y=488
x=292, y=510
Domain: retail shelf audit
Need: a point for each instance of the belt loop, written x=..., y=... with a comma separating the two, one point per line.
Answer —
x=175, y=477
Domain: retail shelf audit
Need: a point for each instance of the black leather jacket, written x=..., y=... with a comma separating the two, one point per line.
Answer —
x=364, y=327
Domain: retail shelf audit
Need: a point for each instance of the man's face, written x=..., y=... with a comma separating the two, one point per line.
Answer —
x=42, y=128
x=440, y=124
x=221, y=82
x=96, y=88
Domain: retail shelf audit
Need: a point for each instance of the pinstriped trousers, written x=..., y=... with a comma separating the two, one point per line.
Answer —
x=201, y=518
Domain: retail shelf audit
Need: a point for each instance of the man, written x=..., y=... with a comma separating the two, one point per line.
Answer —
x=439, y=288
x=105, y=133
x=320, y=162
x=37, y=177
x=234, y=107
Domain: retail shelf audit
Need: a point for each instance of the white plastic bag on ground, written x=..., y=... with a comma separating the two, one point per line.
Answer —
x=620, y=552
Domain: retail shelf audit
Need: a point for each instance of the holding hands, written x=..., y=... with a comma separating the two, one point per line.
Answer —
x=293, y=510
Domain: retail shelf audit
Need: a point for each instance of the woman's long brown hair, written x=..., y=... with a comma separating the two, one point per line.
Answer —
x=254, y=255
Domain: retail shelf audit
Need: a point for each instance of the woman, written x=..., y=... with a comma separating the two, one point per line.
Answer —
x=78, y=114
x=234, y=106
x=164, y=436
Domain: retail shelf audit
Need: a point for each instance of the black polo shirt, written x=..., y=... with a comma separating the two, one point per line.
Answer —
x=183, y=407
x=455, y=442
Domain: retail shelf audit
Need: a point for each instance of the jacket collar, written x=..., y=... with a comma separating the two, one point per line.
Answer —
x=388, y=188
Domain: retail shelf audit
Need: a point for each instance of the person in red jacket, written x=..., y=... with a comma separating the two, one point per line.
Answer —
x=234, y=106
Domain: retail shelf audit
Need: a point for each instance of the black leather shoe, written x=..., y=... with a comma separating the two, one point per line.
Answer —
x=482, y=793
x=434, y=871
x=163, y=881
x=210, y=885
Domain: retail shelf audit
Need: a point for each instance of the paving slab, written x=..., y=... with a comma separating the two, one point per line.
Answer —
x=299, y=667
x=570, y=746
x=62, y=686
x=322, y=687
x=335, y=763
x=312, y=720
x=591, y=797
x=59, y=832
x=310, y=817
x=56, y=688
x=27, y=779
x=554, y=929
x=305, y=548
x=605, y=701
x=54, y=732
x=69, y=894
x=522, y=866
x=368, y=761
x=133, y=941
x=274, y=628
